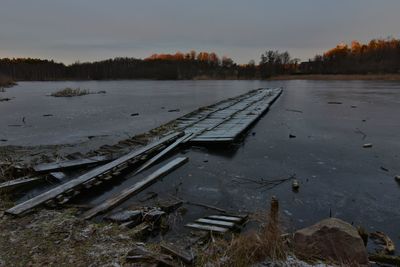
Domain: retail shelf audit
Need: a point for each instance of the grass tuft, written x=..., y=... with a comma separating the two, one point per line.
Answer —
x=71, y=92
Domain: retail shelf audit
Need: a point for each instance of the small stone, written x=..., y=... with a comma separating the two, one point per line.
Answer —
x=295, y=185
x=367, y=145
x=292, y=136
x=397, y=178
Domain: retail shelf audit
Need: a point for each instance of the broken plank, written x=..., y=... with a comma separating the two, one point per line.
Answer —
x=216, y=222
x=136, y=188
x=204, y=227
x=46, y=196
x=59, y=176
x=55, y=166
x=24, y=181
x=163, y=153
x=225, y=218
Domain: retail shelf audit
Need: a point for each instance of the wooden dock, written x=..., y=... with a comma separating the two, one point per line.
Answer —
x=222, y=122
x=227, y=121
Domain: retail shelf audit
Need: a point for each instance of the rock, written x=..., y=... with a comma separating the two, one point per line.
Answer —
x=397, y=178
x=292, y=136
x=295, y=185
x=367, y=145
x=332, y=240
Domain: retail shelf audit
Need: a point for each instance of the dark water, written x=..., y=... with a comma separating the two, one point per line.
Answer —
x=337, y=175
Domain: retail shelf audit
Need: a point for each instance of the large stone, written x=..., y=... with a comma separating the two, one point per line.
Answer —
x=332, y=240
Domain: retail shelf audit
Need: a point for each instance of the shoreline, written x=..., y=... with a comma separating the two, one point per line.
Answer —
x=338, y=77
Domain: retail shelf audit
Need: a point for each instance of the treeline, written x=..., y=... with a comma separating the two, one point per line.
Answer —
x=379, y=56
x=176, y=66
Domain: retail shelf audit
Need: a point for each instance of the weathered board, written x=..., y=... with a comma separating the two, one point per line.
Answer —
x=162, y=153
x=226, y=218
x=25, y=181
x=205, y=227
x=55, y=166
x=216, y=222
x=136, y=188
x=121, y=162
x=226, y=121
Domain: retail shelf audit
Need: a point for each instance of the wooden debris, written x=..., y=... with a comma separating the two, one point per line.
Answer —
x=17, y=183
x=163, y=153
x=91, y=175
x=207, y=228
x=170, y=206
x=60, y=176
x=136, y=188
x=153, y=215
x=226, y=218
x=55, y=166
x=216, y=222
x=186, y=257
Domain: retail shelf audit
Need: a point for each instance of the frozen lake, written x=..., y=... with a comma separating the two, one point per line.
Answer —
x=331, y=120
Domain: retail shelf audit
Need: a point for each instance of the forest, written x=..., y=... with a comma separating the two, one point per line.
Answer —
x=178, y=66
x=379, y=56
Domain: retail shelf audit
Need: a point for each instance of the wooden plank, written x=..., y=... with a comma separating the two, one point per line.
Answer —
x=225, y=218
x=204, y=227
x=136, y=188
x=46, y=196
x=24, y=181
x=181, y=254
x=60, y=176
x=54, y=166
x=216, y=222
x=163, y=153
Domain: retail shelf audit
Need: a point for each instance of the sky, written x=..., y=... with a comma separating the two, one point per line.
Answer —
x=89, y=30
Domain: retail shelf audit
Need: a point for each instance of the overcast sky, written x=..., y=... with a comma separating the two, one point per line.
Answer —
x=87, y=30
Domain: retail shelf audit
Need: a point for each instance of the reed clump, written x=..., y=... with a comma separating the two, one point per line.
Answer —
x=71, y=92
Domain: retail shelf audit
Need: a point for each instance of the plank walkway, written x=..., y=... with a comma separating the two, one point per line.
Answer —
x=103, y=171
x=136, y=188
x=226, y=121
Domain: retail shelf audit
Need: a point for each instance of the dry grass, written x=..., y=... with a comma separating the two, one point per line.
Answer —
x=6, y=81
x=71, y=92
x=249, y=248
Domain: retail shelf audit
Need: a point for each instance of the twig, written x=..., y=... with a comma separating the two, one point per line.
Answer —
x=199, y=204
x=294, y=110
x=361, y=132
x=262, y=183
